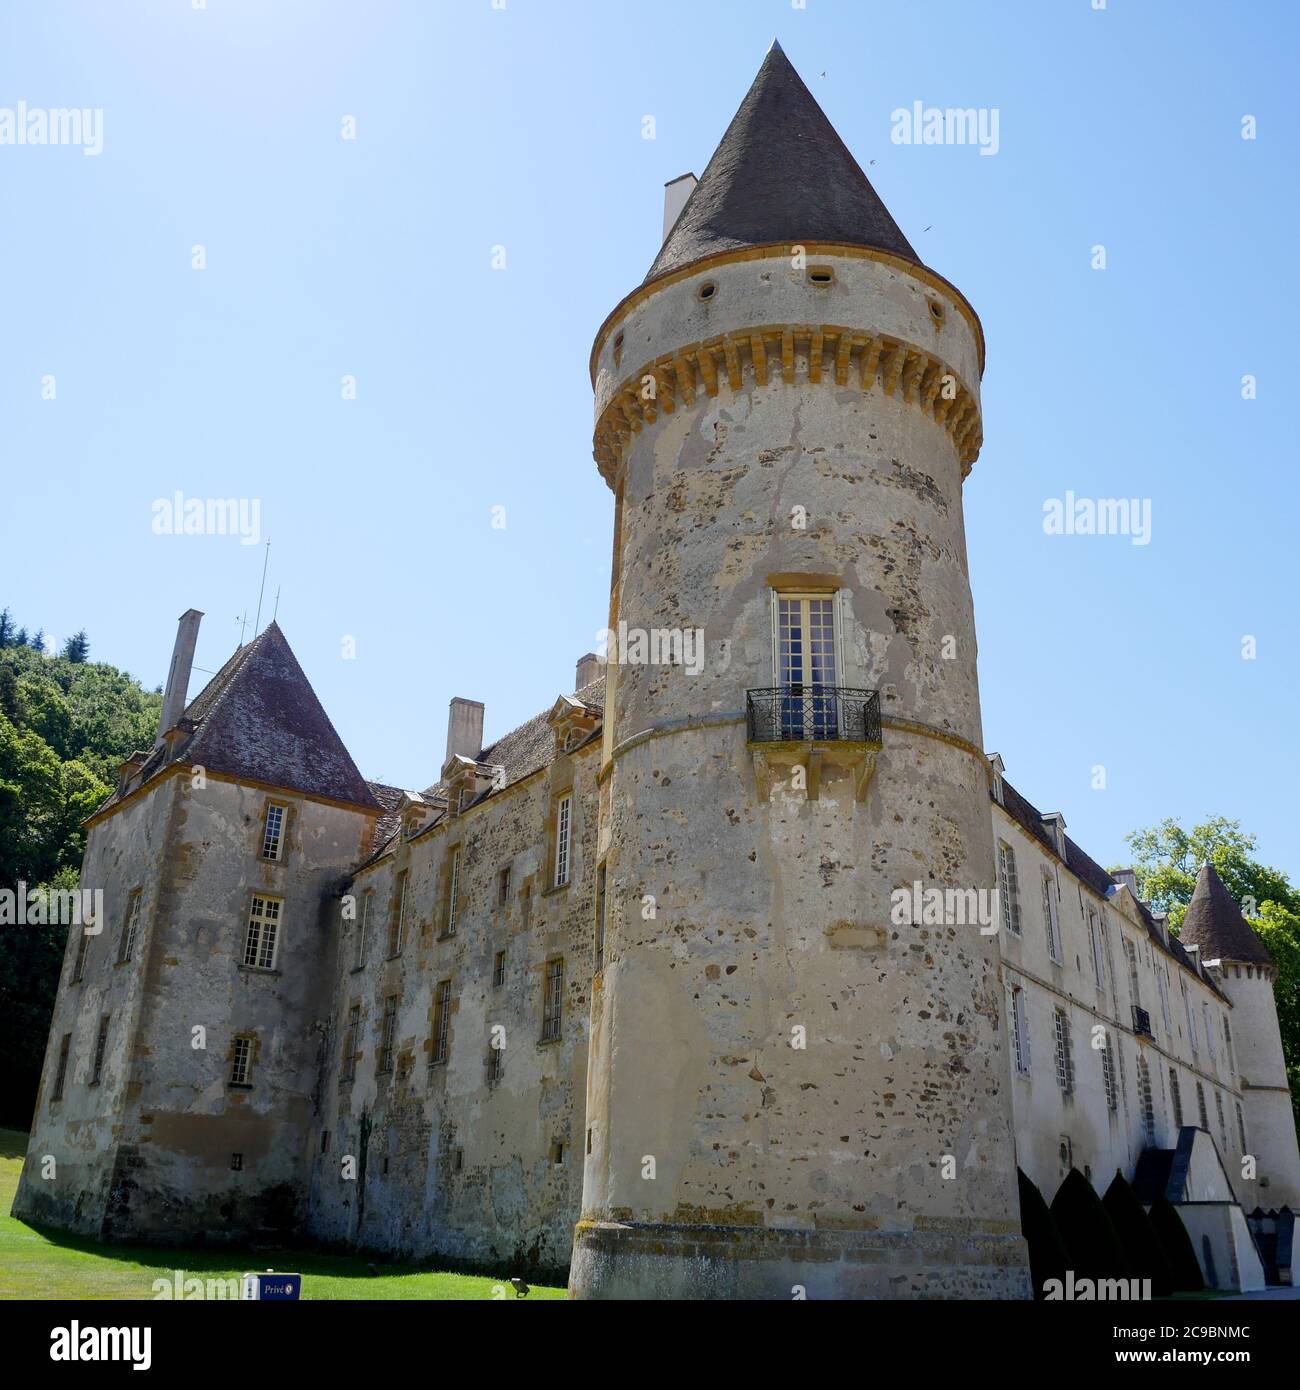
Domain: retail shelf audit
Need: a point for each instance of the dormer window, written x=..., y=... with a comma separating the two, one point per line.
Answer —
x=996, y=767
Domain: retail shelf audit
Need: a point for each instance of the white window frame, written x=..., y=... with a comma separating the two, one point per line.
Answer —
x=1020, y=1030
x=131, y=929
x=273, y=840
x=1176, y=1097
x=1009, y=885
x=1108, y=1076
x=563, y=838
x=1064, y=1061
x=363, y=924
x=262, y=941
x=453, y=887
x=1098, y=960
x=1146, y=1101
x=1051, y=920
x=241, y=1063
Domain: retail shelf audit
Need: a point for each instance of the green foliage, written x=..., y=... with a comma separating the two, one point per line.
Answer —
x=1167, y=859
x=1142, y=1248
x=65, y=725
x=1177, y=1245
x=1088, y=1232
x=1048, y=1257
x=77, y=648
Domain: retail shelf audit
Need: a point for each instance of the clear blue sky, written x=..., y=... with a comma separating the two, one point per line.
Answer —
x=523, y=128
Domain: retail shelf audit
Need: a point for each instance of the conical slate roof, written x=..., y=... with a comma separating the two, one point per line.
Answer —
x=1215, y=924
x=781, y=174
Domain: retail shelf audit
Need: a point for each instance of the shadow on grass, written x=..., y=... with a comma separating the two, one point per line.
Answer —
x=13, y=1144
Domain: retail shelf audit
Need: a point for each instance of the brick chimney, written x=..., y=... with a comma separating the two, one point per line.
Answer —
x=178, y=677
x=464, y=729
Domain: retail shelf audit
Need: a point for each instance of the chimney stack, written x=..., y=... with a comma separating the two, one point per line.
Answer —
x=178, y=677
x=464, y=729
x=590, y=668
x=1129, y=878
x=675, y=196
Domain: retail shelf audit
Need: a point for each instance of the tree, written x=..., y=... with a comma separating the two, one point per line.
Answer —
x=77, y=649
x=6, y=629
x=1048, y=1257
x=1166, y=861
x=38, y=640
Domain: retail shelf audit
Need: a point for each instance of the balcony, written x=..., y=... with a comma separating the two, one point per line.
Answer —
x=809, y=729
x=1142, y=1022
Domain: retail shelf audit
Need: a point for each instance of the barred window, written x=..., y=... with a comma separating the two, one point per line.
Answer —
x=1223, y=1124
x=241, y=1061
x=453, y=886
x=495, y=1062
x=1064, y=1065
x=387, y=1032
x=1191, y=1021
x=363, y=928
x=263, y=929
x=1108, y=1075
x=1176, y=1096
x=1162, y=983
x=273, y=831
x=61, y=1075
x=1200, y=1107
x=101, y=1041
x=503, y=886
x=351, y=1042
x=1019, y=1030
x=1130, y=951
x=1098, y=962
x=441, y=1021
x=1049, y=920
x=498, y=970
x=130, y=927
x=553, y=1000
x=79, y=962
x=397, y=916
x=600, y=919
x=1146, y=1101
x=1209, y=1032
x=1241, y=1128
x=563, y=827
x=1010, y=888
x=1227, y=1043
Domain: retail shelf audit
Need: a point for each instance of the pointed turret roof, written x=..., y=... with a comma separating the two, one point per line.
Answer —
x=781, y=174
x=258, y=719
x=1215, y=924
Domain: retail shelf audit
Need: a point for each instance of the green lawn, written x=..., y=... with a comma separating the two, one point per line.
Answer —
x=51, y=1264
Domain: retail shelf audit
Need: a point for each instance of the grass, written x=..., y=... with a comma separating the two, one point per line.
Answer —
x=42, y=1263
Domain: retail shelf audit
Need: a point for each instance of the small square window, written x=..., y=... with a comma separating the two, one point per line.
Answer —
x=236, y=1163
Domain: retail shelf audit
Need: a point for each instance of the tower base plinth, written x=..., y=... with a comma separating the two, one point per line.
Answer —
x=618, y=1260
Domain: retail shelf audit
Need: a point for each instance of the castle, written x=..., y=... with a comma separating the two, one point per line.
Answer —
x=657, y=986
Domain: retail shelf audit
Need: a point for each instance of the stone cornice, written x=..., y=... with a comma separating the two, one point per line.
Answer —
x=784, y=250
x=834, y=354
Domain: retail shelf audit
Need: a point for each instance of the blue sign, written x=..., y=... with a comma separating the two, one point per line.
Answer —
x=277, y=1288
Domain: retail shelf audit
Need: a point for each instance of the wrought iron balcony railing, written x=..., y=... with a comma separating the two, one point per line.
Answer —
x=1142, y=1022
x=826, y=713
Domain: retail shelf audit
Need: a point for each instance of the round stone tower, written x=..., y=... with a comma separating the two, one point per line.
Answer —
x=1241, y=966
x=797, y=1082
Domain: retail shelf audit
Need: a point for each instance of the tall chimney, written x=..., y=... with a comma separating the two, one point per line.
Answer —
x=590, y=668
x=1129, y=878
x=178, y=677
x=464, y=729
x=675, y=196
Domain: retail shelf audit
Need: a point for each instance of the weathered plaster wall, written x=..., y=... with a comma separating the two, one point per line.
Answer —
x=507, y=1199
x=81, y=1132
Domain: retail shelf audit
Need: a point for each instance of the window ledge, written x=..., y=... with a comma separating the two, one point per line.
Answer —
x=239, y=1085
x=259, y=969
x=445, y=936
x=357, y=969
x=556, y=888
x=550, y=1042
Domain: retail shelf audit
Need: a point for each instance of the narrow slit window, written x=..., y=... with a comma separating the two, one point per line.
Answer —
x=101, y=1042
x=131, y=927
x=563, y=834
x=441, y=1021
x=553, y=1001
x=61, y=1075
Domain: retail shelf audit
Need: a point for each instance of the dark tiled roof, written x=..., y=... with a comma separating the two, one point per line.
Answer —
x=1084, y=867
x=522, y=751
x=1215, y=924
x=386, y=826
x=258, y=719
x=780, y=174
